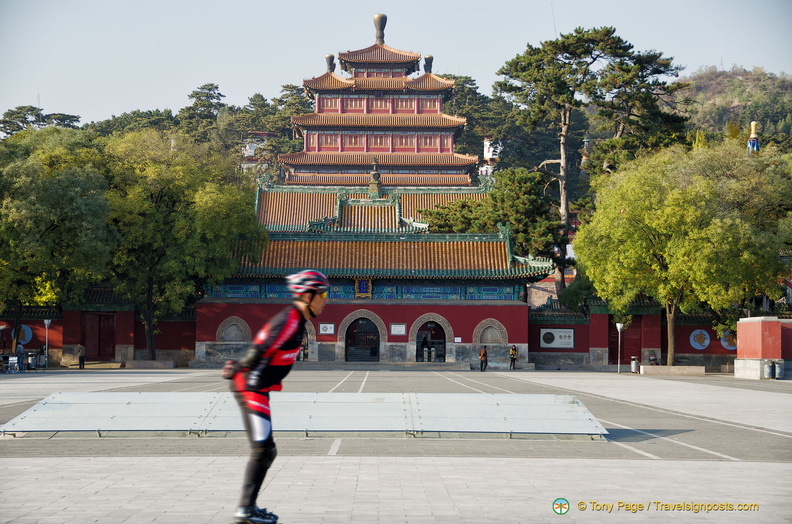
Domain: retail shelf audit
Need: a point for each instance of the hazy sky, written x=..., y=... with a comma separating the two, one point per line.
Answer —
x=98, y=58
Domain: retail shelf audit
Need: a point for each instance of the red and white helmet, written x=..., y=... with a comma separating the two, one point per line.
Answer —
x=306, y=281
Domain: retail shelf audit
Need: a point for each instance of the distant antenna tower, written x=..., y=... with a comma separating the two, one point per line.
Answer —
x=41, y=116
x=554, y=26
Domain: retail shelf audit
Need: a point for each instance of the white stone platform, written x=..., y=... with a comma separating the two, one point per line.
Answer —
x=314, y=414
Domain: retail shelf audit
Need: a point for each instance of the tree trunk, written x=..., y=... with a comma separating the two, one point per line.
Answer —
x=148, y=321
x=563, y=197
x=671, y=311
x=17, y=331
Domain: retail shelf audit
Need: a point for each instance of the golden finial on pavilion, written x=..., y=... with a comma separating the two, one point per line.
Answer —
x=379, y=24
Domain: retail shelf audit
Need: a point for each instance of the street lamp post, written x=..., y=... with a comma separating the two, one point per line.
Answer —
x=47, y=323
x=2, y=335
x=619, y=327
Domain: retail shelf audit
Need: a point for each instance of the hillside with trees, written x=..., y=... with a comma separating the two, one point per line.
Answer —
x=726, y=102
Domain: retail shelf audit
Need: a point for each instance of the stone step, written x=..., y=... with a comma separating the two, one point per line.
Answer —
x=383, y=366
x=96, y=364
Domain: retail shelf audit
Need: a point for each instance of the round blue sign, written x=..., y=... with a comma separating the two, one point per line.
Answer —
x=699, y=339
x=729, y=341
x=25, y=334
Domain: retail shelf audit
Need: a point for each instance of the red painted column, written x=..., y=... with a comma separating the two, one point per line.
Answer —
x=651, y=335
x=598, y=339
x=72, y=328
x=125, y=336
x=72, y=335
x=786, y=339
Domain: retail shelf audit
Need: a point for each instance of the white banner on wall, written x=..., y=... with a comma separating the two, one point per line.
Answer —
x=557, y=338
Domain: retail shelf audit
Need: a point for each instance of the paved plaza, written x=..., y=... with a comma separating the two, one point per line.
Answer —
x=693, y=449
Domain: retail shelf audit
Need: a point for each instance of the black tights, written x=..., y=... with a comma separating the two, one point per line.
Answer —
x=262, y=448
x=262, y=454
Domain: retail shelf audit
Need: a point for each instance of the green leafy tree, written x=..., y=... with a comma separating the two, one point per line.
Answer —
x=689, y=228
x=199, y=120
x=636, y=108
x=251, y=117
x=54, y=235
x=517, y=200
x=500, y=120
x=27, y=117
x=135, y=121
x=476, y=107
x=552, y=81
x=458, y=216
x=62, y=120
x=184, y=218
x=21, y=118
x=292, y=102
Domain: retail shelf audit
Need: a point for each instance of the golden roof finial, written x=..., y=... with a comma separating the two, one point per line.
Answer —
x=379, y=24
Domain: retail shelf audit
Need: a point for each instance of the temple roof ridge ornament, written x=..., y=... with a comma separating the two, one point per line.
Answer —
x=380, y=21
x=380, y=53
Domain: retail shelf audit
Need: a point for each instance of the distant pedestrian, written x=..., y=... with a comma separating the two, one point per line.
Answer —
x=20, y=353
x=513, y=357
x=483, y=362
x=81, y=355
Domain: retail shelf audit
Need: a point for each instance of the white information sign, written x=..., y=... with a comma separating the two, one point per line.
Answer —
x=556, y=338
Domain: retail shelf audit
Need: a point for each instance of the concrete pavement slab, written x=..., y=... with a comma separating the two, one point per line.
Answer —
x=386, y=490
x=755, y=408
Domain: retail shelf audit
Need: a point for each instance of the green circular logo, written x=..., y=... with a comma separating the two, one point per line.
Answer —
x=560, y=506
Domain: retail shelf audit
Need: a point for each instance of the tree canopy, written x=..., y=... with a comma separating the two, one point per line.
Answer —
x=517, y=200
x=689, y=228
x=29, y=117
x=588, y=66
x=54, y=237
x=156, y=214
x=182, y=219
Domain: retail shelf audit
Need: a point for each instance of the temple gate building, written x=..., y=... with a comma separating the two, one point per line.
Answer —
x=377, y=150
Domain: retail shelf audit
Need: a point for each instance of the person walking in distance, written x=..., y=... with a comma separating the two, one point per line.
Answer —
x=81, y=356
x=513, y=357
x=483, y=358
x=261, y=370
x=20, y=354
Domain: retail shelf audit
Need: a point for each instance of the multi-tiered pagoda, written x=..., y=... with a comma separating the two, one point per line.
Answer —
x=377, y=151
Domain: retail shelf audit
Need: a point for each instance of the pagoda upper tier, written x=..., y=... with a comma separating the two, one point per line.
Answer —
x=427, y=82
x=379, y=57
x=379, y=114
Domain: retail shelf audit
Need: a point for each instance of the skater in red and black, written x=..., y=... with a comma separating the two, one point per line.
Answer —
x=262, y=369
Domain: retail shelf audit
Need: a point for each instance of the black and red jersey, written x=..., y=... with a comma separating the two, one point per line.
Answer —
x=279, y=343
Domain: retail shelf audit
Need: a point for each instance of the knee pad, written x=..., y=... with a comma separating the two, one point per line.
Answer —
x=265, y=454
x=271, y=453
